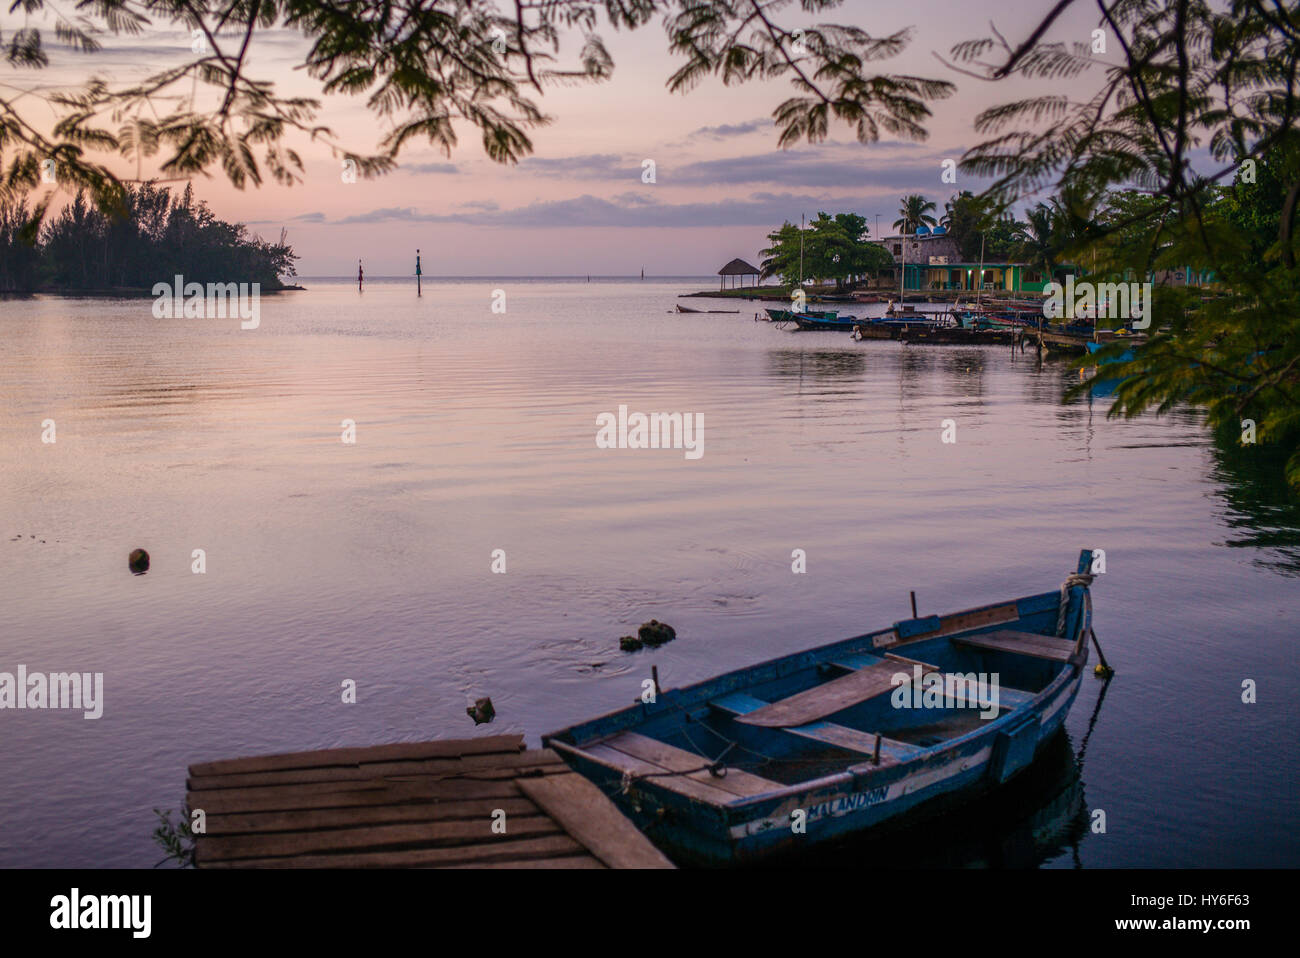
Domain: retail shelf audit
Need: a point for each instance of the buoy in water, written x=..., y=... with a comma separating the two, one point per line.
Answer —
x=139, y=561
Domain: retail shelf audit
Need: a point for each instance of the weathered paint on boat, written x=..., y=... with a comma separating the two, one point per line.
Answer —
x=787, y=316
x=832, y=322
x=911, y=779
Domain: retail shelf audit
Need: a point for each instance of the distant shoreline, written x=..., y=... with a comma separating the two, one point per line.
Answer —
x=116, y=292
x=813, y=295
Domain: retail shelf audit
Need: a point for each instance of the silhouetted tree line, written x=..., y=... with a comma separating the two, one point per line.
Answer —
x=150, y=238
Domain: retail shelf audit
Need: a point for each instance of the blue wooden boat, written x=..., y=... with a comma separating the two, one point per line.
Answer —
x=1103, y=387
x=982, y=320
x=832, y=322
x=788, y=316
x=1124, y=357
x=862, y=734
x=911, y=321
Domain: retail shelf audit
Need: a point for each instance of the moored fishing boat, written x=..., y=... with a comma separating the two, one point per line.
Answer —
x=787, y=316
x=1125, y=357
x=873, y=331
x=882, y=328
x=831, y=322
x=959, y=335
x=866, y=732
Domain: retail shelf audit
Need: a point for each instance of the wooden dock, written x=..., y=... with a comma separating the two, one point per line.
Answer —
x=455, y=803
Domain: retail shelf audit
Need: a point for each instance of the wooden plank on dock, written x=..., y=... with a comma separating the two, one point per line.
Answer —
x=244, y=823
x=400, y=751
x=339, y=796
x=1021, y=643
x=553, y=846
x=500, y=765
x=590, y=818
x=450, y=803
x=373, y=838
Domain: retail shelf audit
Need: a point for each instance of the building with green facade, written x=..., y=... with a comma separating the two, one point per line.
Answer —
x=930, y=261
x=1011, y=277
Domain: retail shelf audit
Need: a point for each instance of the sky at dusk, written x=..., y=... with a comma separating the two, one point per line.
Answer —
x=578, y=205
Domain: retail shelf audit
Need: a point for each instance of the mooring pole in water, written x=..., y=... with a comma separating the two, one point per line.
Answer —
x=654, y=674
x=1104, y=668
x=875, y=753
x=361, y=276
x=914, y=605
x=418, y=272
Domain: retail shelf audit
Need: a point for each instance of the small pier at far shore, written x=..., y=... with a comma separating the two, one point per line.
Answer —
x=454, y=803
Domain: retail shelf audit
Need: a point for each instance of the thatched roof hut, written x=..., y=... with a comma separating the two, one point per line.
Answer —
x=737, y=267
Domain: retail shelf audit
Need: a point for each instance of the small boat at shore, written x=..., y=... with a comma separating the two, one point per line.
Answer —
x=832, y=322
x=687, y=309
x=1125, y=357
x=787, y=316
x=862, y=734
x=901, y=324
x=960, y=336
x=873, y=331
x=938, y=333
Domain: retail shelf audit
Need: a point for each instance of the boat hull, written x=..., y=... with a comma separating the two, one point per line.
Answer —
x=813, y=324
x=786, y=316
x=835, y=811
x=698, y=817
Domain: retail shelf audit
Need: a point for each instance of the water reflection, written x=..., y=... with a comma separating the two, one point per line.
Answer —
x=816, y=363
x=1258, y=502
x=471, y=439
x=1259, y=506
x=1037, y=817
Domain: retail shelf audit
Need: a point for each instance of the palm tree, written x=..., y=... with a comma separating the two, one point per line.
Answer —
x=1038, y=236
x=914, y=211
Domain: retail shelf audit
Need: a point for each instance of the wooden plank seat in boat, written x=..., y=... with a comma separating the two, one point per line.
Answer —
x=856, y=660
x=642, y=755
x=1021, y=643
x=827, y=733
x=1014, y=698
x=831, y=697
x=1008, y=698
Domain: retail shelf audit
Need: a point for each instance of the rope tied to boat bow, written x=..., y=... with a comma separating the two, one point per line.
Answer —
x=1076, y=579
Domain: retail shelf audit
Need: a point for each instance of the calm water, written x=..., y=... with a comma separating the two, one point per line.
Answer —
x=475, y=431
